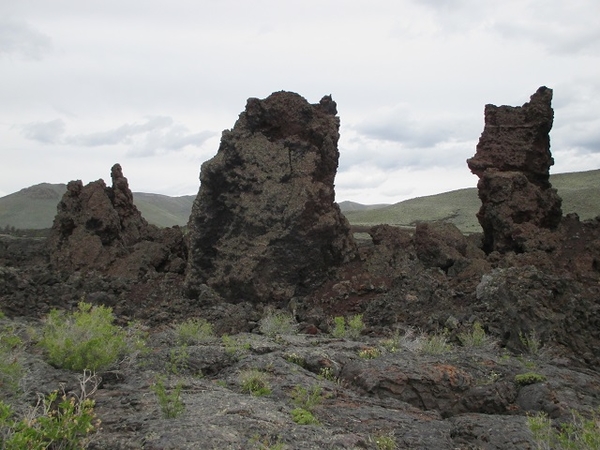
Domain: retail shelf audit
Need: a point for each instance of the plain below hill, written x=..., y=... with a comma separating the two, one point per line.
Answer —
x=35, y=207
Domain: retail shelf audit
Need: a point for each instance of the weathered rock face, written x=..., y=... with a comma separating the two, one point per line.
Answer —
x=99, y=228
x=264, y=225
x=512, y=162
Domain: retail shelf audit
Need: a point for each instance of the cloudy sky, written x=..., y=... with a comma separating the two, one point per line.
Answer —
x=151, y=84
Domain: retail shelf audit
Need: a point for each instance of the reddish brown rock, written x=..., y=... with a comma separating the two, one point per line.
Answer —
x=513, y=162
x=99, y=228
x=264, y=225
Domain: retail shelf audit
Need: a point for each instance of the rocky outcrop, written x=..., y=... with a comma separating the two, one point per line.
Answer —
x=512, y=162
x=99, y=228
x=264, y=226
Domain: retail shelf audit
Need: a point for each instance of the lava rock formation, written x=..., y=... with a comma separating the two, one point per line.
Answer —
x=264, y=226
x=512, y=162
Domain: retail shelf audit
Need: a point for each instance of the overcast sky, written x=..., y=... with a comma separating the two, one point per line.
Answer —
x=152, y=84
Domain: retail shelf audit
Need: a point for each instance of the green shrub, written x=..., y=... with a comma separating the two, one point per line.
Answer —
x=355, y=326
x=54, y=423
x=579, y=434
x=178, y=359
x=11, y=370
x=266, y=443
x=85, y=339
x=171, y=404
x=475, y=338
x=235, y=346
x=339, y=327
x=348, y=328
x=277, y=323
x=303, y=417
x=295, y=359
x=435, y=344
x=307, y=399
x=384, y=441
x=255, y=382
x=369, y=353
x=524, y=379
x=531, y=342
x=194, y=331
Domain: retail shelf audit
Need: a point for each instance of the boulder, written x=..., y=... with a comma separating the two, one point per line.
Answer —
x=513, y=162
x=264, y=226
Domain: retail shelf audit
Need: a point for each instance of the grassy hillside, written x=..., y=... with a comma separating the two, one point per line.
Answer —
x=31, y=208
x=580, y=192
x=162, y=210
x=34, y=207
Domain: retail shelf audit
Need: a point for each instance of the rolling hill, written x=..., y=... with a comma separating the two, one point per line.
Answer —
x=34, y=207
x=580, y=192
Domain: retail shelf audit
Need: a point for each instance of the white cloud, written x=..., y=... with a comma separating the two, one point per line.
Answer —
x=19, y=38
x=50, y=132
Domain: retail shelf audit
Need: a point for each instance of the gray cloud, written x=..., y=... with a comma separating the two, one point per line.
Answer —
x=45, y=132
x=120, y=135
x=154, y=136
x=19, y=38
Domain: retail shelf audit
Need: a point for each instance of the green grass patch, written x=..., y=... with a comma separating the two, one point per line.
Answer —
x=193, y=331
x=350, y=328
x=580, y=433
x=524, y=379
x=278, y=323
x=255, y=382
x=303, y=417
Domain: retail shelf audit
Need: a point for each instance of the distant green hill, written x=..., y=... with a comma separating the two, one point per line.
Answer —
x=580, y=192
x=35, y=207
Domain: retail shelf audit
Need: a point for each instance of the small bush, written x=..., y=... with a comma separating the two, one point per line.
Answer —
x=235, y=346
x=475, y=338
x=266, y=443
x=11, y=370
x=171, y=404
x=524, y=379
x=435, y=344
x=531, y=342
x=295, y=359
x=85, y=339
x=348, y=328
x=307, y=399
x=178, y=359
x=54, y=423
x=277, y=323
x=194, y=331
x=579, y=434
x=384, y=441
x=339, y=327
x=255, y=382
x=303, y=417
x=369, y=353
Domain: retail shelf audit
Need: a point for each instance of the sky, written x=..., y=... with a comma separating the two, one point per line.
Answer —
x=151, y=84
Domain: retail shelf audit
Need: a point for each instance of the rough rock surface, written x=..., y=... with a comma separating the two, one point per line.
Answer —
x=264, y=225
x=512, y=162
x=99, y=228
x=466, y=398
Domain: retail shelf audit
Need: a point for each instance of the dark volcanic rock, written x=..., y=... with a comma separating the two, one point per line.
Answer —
x=99, y=228
x=512, y=162
x=264, y=225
